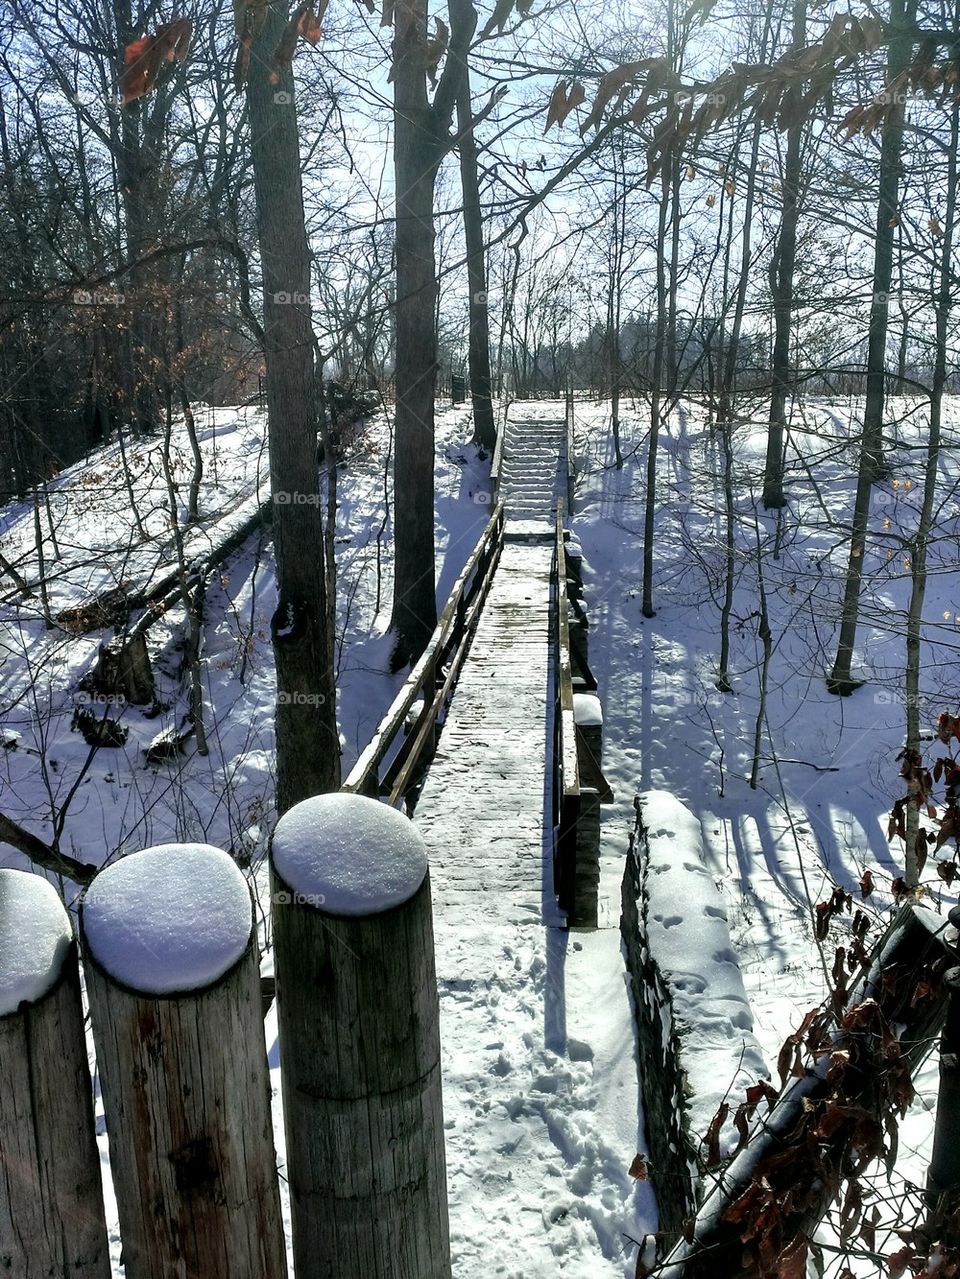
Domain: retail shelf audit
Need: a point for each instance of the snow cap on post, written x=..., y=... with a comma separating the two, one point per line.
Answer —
x=171, y=919
x=35, y=935
x=348, y=855
x=587, y=710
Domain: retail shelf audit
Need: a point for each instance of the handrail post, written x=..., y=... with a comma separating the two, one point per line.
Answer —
x=570, y=446
x=567, y=763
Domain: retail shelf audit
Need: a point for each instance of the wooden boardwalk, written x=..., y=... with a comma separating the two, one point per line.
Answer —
x=482, y=808
x=485, y=813
x=481, y=811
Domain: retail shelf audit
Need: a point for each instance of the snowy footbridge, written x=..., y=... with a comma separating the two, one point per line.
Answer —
x=493, y=770
x=506, y=796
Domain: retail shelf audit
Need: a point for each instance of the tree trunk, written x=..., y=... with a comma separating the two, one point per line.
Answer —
x=781, y=279
x=417, y=154
x=656, y=400
x=918, y=555
x=871, y=465
x=484, y=429
x=308, y=749
x=902, y=13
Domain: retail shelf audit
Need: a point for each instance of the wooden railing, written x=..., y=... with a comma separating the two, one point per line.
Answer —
x=503, y=412
x=566, y=764
x=570, y=440
x=399, y=752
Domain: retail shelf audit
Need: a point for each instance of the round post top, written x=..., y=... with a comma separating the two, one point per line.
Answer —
x=348, y=855
x=168, y=920
x=587, y=710
x=35, y=935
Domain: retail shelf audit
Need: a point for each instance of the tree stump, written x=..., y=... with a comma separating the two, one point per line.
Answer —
x=358, y=1016
x=123, y=667
x=51, y=1202
x=174, y=985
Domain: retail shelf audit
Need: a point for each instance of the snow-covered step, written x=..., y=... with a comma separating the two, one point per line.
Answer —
x=533, y=473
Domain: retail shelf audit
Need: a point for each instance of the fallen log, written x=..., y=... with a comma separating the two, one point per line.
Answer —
x=768, y=1200
x=44, y=855
x=113, y=607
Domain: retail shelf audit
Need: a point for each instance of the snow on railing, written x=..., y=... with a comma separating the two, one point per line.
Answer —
x=410, y=746
x=579, y=787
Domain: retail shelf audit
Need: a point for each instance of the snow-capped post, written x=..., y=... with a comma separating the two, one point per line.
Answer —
x=173, y=977
x=573, y=562
x=359, y=1027
x=51, y=1201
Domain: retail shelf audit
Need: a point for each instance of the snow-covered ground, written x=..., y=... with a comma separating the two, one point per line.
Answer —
x=827, y=774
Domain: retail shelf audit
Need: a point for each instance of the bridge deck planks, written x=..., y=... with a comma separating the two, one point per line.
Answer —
x=481, y=811
x=485, y=815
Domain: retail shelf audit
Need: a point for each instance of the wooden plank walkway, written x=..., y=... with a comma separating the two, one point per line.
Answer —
x=481, y=811
x=482, y=808
x=485, y=813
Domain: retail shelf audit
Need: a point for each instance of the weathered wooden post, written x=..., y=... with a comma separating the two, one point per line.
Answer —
x=174, y=984
x=51, y=1203
x=358, y=1015
x=573, y=557
x=588, y=718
